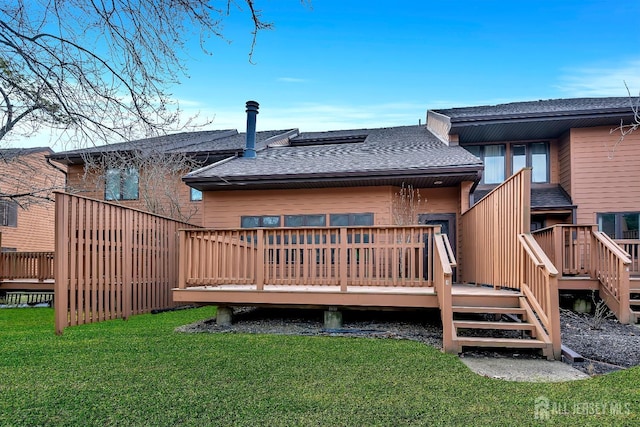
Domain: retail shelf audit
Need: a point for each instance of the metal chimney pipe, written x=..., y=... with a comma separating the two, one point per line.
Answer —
x=252, y=112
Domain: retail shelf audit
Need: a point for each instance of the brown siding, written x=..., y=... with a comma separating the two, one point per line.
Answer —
x=93, y=186
x=35, y=225
x=564, y=161
x=605, y=177
x=554, y=164
x=223, y=209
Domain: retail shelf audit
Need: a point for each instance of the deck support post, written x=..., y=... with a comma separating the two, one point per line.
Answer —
x=224, y=315
x=332, y=318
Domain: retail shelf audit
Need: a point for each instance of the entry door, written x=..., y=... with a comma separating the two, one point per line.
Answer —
x=446, y=221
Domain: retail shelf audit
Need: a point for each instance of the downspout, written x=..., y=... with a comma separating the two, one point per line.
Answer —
x=64, y=172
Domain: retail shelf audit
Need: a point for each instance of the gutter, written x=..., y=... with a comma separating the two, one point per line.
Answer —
x=320, y=178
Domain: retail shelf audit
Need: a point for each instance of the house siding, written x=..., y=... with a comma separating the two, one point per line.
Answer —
x=92, y=186
x=604, y=177
x=35, y=230
x=223, y=209
x=564, y=162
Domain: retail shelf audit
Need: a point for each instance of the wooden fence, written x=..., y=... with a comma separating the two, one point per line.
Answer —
x=111, y=262
x=490, y=233
x=344, y=256
x=26, y=265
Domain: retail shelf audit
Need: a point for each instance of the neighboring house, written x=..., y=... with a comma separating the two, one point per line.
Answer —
x=582, y=172
x=27, y=221
x=145, y=174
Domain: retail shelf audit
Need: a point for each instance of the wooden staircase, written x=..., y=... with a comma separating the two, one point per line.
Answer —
x=634, y=299
x=496, y=319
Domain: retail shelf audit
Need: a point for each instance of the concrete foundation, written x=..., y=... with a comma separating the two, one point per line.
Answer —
x=332, y=319
x=582, y=306
x=224, y=316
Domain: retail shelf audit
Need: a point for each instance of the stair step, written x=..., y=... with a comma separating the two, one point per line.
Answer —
x=634, y=301
x=471, y=324
x=500, y=342
x=497, y=310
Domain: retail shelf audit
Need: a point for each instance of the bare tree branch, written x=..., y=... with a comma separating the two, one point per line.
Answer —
x=99, y=71
x=626, y=129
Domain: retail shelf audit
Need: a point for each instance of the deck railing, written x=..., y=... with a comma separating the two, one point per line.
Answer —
x=582, y=250
x=540, y=286
x=111, y=261
x=611, y=267
x=443, y=264
x=339, y=256
x=490, y=233
x=570, y=246
x=632, y=248
x=26, y=265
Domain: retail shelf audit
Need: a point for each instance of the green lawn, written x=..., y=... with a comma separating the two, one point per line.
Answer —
x=140, y=372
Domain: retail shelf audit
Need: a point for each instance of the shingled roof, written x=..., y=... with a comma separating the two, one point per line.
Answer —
x=222, y=143
x=541, y=108
x=542, y=198
x=544, y=119
x=11, y=153
x=384, y=156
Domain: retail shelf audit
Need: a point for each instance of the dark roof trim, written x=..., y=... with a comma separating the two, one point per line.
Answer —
x=225, y=181
x=536, y=117
x=329, y=140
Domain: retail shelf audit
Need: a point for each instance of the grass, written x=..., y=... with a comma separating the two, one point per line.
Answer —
x=140, y=372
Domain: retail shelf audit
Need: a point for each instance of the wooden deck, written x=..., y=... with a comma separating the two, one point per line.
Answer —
x=27, y=285
x=354, y=296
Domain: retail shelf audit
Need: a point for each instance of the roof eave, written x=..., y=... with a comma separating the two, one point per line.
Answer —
x=271, y=180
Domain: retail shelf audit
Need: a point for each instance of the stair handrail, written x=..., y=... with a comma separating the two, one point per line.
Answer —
x=613, y=276
x=541, y=289
x=613, y=246
x=537, y=254
x=443, y=261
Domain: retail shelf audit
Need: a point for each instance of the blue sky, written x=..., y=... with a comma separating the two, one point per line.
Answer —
x=351, y=64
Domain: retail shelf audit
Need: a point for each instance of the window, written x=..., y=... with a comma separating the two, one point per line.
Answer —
x=196, y=195
x=493, y=158
x=8, y=213
x=260, y=221
x=624, y=225
x=344, y=220
x=121, y=184
x=305, y=220
x=535, y=156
